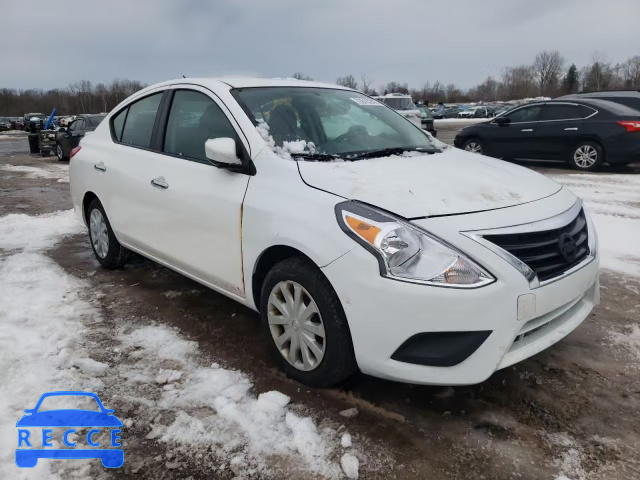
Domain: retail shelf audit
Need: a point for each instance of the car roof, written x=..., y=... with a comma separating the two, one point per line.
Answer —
x=249, y=82
x=608, y=93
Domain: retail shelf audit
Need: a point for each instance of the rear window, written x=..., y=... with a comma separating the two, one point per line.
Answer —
x=95, y=121
x=560, y=112
x=139, y=122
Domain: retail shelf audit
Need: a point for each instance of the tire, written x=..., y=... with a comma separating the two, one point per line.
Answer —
x=60, y=153
x=338, y=360
x=474, y=145
x=45, y=153
x=587, y=156
x=110, y=255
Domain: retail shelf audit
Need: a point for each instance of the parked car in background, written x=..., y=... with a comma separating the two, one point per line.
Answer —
x=5, y=123
x=473, y=112
x=427, y=120
x=412, y=268
x=583, y=133
x=19, y=123
x=630, y=98
x=403, y=104
x=68, y=138
x=449, y=112
x=34, y=121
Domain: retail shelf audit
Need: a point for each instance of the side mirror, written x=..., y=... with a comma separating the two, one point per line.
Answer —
x=221, y=152
x=502, y=121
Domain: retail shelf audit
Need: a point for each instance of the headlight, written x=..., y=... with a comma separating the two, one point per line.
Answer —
x=407, y=253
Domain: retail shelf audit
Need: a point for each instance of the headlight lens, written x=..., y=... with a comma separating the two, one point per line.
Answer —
x=405, y=252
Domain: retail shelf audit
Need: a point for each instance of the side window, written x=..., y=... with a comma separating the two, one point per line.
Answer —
x=560, y=112
x=80, y=124
x=118, y=122
x=139, y=125
x=193, y=119
x=526, y=114
x=587, y=111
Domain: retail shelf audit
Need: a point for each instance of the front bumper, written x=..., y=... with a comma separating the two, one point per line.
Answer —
x=383, y=314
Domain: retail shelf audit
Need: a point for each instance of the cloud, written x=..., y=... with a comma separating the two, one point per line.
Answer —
x=54, y=44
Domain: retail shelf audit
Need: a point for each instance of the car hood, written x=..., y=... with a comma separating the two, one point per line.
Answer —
x=422, y=185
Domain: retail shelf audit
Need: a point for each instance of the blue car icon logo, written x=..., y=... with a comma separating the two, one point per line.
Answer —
x=28, y=453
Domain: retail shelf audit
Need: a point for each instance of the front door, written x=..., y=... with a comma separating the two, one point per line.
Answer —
x=516, y=138
x=183, y=210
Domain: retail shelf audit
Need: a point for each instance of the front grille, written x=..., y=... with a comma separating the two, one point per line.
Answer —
x=548, y=253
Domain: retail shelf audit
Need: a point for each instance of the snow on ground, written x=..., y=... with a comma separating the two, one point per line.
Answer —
x=178, y=397
x=614, y=204
x=48, y=170
x=41, y=325
x=444, y=121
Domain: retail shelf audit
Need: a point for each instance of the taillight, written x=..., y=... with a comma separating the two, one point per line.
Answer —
x=630, y=126
x=74, y=151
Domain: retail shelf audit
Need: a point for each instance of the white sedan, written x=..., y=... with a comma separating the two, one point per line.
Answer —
x=363, y=242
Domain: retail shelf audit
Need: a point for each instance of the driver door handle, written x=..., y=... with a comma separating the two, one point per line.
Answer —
x=527, y=130
x=100, y=166
x=160, y=182
x=572, y=128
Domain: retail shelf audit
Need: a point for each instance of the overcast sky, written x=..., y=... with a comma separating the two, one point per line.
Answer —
x=51, y=44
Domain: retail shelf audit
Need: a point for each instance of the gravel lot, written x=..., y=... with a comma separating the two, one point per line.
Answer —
x=573, y=410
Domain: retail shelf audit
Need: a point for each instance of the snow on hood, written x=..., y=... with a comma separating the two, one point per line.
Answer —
x=450, y=182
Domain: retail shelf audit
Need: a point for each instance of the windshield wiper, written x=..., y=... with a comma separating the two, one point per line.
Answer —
x=318, y=157
x=385, y=152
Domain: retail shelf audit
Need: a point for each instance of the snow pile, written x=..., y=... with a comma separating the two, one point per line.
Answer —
x=613, y=202
x=217, y=411
x=629, y=339
x=295, y=146
x=570, y=461
x=60, y=172
x=41, y=327
x=31, y=233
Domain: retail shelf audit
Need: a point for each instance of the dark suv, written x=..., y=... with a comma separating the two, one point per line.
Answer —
x=630, y=98
x=585, y=133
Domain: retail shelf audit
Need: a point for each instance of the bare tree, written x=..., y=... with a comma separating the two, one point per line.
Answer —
x=348, y=81
x=547, y=69
x=396, y=87
x=629, y=72
x=366, y=84
x=301, y=76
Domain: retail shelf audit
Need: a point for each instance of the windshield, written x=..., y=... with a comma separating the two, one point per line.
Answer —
x=95, y=121
x=335, y=122
x=399, y=103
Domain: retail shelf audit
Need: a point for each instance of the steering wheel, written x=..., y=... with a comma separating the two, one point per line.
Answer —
x=353, y=132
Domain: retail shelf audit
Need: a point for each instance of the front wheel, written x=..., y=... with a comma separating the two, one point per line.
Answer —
x=473, y=145
x=106, y=247
x=305, y=325
x=587, y=156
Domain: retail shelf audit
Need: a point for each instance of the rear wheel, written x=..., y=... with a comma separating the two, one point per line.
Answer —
x=305, y=325
x=587, y=156
x=106, y=247
x=60, y=152
x=474, y=145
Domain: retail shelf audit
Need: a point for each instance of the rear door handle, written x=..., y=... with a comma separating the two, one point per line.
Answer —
x=527, y=130
x=160, y=182
x=572, y=128
x=100, y=166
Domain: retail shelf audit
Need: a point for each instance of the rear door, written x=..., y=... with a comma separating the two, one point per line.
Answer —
x=515, y=139
x=77, y=133
x=558, y=130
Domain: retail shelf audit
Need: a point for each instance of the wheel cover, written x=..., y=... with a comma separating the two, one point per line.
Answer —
x=99, y=233
x=59, y=151
x=296, y=325
x=585, y=156
x=473, y=147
